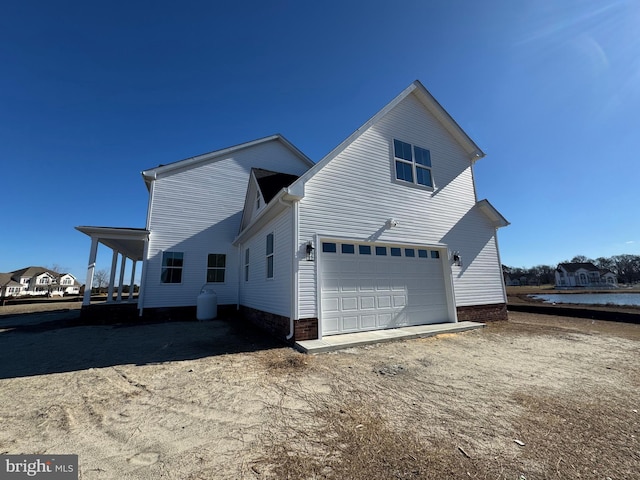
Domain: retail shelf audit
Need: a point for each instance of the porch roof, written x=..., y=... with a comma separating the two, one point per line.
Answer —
x=128, y=241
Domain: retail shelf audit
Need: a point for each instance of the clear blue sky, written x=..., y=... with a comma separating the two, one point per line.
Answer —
x=92, y=93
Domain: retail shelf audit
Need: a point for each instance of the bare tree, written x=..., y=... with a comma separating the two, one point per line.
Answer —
x=101, y=278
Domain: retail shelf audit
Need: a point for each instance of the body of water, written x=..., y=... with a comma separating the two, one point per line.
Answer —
x=591, y=298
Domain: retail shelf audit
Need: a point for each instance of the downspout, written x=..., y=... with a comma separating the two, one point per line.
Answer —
x=293, y=264
x=294, y=273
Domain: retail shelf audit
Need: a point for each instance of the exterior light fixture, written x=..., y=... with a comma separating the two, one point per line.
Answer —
x=457, y=260
x=392, y=222
x=310, y=251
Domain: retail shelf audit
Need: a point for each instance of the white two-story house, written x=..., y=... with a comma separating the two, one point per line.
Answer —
x=384, y=231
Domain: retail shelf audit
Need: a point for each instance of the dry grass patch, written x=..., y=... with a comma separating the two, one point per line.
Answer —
x=284, y=360
x=590, y=436
x=348, y=439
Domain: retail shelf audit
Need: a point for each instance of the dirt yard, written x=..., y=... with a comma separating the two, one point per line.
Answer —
x=533, y=398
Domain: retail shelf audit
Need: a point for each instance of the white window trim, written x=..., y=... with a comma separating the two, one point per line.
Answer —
x=184, y=254
x=272, y=255
x=216, y=268
x=414, y=167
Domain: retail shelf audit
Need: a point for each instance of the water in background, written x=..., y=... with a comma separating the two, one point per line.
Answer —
x=591, y=298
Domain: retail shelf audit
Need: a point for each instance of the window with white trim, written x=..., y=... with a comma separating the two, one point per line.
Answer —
x=216, y=266
x=270, y=255
x=172, y=263
x=412, y=164
x=246, y=265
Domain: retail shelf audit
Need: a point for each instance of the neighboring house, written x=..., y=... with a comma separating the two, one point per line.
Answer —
x=385, y=231
x=570, y=275
x=36, y=281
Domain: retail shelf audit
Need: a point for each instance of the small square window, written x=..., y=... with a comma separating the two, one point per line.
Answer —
x=435, y=254
x=382, y=251
x=329, y=247
x=348, y=248
x=423, y=254
x=364, y=249
x=396, y=252
x=409, y=252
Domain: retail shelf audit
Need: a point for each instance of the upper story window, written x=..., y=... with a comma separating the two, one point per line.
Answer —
x=412, y=163
x=172, y=263
x=66, y=281
x=216, y=266
x=43, y=280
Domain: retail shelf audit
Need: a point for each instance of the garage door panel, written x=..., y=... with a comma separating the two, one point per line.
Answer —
x=368, y=321
x=384, y=301
x=349, y=303
x=369, y=292
x=367, y=303
x=350, y=323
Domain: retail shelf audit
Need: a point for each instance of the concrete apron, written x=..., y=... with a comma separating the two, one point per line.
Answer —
x=347, y=340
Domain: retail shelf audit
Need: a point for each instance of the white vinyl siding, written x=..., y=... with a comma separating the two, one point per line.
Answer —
x=356, y=193
x=198, y=210
x=270, y=294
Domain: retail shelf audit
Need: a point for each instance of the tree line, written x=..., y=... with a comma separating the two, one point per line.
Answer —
x=626, y=267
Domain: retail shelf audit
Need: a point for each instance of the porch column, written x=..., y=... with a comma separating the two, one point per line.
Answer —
x=93, y=253
x=133, y=277
x=112, y=277
x=122, y=265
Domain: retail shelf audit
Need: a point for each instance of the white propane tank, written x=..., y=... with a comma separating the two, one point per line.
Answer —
x=207, y=305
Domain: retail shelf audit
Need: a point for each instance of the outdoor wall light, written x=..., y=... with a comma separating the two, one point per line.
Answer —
x=457, y=260
x=392, y=222
x=310, y=250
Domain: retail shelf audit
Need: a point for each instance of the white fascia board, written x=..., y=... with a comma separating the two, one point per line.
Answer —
x=153, y=173
x=494, y=215
x=448, y=122
x=114, y=232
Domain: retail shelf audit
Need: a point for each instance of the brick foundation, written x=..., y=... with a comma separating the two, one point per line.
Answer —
x=278, y=325
x=482, y=313
x=305, y=329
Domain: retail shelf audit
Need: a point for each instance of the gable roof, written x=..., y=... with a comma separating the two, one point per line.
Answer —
x=31, y=272
x=430, y=103
x=152, y=173
x=494, y=215
x=270, y=183
x=574, y=267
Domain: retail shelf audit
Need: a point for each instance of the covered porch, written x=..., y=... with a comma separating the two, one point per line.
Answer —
x=126, y=244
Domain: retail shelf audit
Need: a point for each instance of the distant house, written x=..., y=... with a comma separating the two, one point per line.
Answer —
x=36, y=281
x=385, y=231
x=583, y=275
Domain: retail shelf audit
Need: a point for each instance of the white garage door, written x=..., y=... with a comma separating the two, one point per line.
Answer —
x=376, y=286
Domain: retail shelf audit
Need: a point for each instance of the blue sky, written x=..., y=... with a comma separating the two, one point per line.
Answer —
x=92, y=93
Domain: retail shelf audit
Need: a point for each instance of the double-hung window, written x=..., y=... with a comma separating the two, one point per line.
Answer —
x=172, y=263
x=216, y=266
x=270, y=255
x=412, y=163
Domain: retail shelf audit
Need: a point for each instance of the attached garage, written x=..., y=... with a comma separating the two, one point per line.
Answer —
x=373, y=286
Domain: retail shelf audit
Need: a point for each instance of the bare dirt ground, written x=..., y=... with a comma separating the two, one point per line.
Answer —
x=534, y=398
